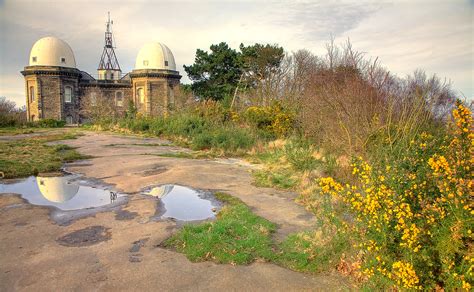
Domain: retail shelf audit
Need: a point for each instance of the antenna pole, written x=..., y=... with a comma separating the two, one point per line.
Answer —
x=108, y=61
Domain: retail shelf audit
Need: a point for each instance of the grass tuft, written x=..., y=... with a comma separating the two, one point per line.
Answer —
x=31, y=156
x=237, y=236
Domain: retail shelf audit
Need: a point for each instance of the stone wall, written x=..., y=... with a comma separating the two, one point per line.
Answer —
x=158, y=89
x=96, y=98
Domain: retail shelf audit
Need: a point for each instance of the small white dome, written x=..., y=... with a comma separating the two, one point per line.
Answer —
x=51, y=51
x=155, y=56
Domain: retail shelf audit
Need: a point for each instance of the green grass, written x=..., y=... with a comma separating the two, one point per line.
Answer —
x=190, y=130
x=278, y=178
x=240, y=237
x=309, y=252
x=179, y=154
x=237, y=236
x=31, y=156
x=140, y=144
x=12, y=131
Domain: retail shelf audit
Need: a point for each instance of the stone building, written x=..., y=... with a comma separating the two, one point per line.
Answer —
x=57, y=89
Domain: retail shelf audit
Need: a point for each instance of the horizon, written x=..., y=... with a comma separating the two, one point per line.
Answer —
x=436, y=38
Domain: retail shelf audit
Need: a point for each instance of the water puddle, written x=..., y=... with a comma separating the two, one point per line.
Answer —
x=183, y=203
x=70, y=196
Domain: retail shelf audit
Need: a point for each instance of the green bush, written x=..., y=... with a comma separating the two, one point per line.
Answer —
x=224, y=138
x=46, y=123
x=197, y=129
x=299, y=154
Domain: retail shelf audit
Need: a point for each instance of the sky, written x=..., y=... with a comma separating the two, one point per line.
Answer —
x=436, y=36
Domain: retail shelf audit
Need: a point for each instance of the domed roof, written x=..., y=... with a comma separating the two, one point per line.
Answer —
x=51, y=51
x=155, y=55
x=160, y=191
x=56, y=189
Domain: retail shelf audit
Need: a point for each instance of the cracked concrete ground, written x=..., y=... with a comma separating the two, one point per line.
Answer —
x=32, y=258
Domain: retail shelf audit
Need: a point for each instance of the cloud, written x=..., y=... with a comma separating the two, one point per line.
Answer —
x=405, y=35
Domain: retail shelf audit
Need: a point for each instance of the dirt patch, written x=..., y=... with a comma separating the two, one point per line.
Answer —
x=154, y=171
x=125, y=215
x=136, y=245
x=85, y=237
x=135, y=256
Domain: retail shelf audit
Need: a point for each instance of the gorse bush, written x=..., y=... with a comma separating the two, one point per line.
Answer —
x=413, y=218
x=275, y=119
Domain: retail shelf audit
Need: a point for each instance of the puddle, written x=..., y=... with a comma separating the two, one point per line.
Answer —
x=63, y=192
x=70, y=196
x=183, y=203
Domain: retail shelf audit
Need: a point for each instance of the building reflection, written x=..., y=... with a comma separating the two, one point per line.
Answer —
x=56, y=189
x=160, y=191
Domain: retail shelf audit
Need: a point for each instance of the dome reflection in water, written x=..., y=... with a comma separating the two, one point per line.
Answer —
x=62, y=192
x=184, y=204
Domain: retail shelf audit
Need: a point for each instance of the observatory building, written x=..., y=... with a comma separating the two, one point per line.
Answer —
x=57, y=89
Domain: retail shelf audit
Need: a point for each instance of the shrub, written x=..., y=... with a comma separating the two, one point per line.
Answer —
x=10, y=115
x=275, y=119
x=413, y=218
x=228, y=139
x=299, y=154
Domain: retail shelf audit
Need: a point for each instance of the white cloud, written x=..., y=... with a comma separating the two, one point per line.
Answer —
x=405, y=35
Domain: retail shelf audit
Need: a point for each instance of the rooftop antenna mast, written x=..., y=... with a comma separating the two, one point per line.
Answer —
x=109, y=68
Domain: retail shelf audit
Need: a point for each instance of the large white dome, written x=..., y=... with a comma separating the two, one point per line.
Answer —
x=51, y=51
x=155, y=56
x=56, y=189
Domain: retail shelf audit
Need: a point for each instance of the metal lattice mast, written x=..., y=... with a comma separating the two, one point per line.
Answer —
x=108, y=60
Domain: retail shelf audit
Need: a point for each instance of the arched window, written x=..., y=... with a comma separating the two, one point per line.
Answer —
x=140, y=95
x=119, y=98
x=32, y=93
x=68, y=94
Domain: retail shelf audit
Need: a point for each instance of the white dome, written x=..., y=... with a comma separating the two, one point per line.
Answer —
x=155, y=56
x=51, y=51
x=56, y=189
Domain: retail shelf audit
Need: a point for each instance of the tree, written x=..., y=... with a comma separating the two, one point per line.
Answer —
x=215, y=74
x=262, y=70
x=260, y=61
x=10, y=115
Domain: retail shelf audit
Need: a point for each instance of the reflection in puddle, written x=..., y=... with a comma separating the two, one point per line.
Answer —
x=184, y=204
x=63, y=192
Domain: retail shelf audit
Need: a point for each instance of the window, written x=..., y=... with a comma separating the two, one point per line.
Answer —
x=171, y=96
x=119, y=98
x=63, y=60
x=166, y=63
x=68, y=94
x=34, y=59
x=93, y=99
x=32, y=93
x=145, y=62
x=140, y=95
x=69, y=120
x=112, y=76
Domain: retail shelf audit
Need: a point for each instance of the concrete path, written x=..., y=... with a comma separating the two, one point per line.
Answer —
x=127, y=256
